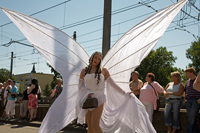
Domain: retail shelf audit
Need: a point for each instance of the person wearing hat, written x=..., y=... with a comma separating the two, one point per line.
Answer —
x=58, y=88
x=10, y=107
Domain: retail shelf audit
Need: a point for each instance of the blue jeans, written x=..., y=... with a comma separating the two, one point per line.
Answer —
x=192, y=108
x=175, y=105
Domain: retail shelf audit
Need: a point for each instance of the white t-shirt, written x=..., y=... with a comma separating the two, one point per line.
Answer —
x=6, y=92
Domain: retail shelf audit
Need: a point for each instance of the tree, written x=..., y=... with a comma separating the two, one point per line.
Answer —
x=193, y=53
x=47, y=90
x=5, y=75
x=159, y=62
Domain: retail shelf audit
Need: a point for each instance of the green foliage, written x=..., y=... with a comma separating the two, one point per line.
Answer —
x=5, y=75
x=193, y=53
x=47, y=90
x=21, y=88
x=159, y=62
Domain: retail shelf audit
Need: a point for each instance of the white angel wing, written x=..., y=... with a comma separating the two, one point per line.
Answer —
x=129, y=51
x=65, y=55
x=68, y=58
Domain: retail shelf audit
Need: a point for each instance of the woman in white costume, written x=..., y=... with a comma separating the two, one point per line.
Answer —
x=92, y=84
x=94, y=77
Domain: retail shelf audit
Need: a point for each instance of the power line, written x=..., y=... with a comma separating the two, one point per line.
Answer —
x=101, y=16
x=178, y=45
x=94, y=18
x=39, y=11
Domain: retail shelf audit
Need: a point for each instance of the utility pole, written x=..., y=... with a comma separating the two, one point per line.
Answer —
x=74, y=35
x=11, y=65
x=106, y=26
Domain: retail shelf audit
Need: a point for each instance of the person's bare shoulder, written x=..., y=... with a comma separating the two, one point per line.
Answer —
x=82, y=73
x=104, y=70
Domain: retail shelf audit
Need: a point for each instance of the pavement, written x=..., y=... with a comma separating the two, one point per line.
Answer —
x=24, y=126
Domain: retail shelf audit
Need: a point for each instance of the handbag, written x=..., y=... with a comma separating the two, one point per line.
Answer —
x=90, y=103
x=158, y=101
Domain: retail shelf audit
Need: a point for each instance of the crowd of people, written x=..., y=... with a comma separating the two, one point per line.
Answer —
x=147, y=93
x=8, y=97
x=175, y=96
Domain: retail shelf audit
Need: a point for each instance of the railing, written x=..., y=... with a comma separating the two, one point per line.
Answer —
x=49, y=100
x=43, y=100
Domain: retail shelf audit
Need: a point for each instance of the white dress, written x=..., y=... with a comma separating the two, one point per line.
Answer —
x=97, y=90
x=122, y=112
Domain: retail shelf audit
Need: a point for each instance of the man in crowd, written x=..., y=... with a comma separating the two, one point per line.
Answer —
x=136, y=84
x=192, y=101
x=10, y=107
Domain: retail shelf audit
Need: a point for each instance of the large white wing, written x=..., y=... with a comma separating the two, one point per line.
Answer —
x=65, y=55
x=128, y=52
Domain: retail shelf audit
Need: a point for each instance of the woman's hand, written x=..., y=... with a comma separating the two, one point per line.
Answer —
x=166, y=94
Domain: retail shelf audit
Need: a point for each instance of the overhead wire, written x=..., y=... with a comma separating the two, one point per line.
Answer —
x=92, y=32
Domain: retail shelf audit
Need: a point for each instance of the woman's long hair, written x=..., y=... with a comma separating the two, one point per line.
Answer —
x=89, y=67
x=35, y=82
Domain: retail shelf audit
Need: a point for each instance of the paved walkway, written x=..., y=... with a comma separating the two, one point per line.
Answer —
x=23, y=126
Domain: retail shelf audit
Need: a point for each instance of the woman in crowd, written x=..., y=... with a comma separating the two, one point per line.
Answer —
x=149, y=94
x=174, y=91
x=33, y=99
x=24, y=106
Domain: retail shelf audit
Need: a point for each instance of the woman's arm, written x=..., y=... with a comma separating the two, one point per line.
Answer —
x=106, y=73
x=112, y=82
x=166, y=86
x=31, y=88
x=82, y=74
x=82, y=77
x=196, y=84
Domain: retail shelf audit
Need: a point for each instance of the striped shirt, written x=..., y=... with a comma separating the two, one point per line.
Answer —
x=190, y=91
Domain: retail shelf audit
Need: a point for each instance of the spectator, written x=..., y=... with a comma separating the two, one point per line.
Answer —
x=136, y=84
x=174, y=91
x=39, y=93
x=3, y=100
x=7, y=89
x=33, y=99
x=10, y=107
x=58, y=89
x=24, y=106
x=1, y=89
x=149, y=94
x=192, y=101
x=197, y=83
x=5, y=95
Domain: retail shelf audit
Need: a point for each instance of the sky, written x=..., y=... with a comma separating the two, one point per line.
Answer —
x=85, y=17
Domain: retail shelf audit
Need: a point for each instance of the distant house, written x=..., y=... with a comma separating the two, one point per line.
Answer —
x=42, y=78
